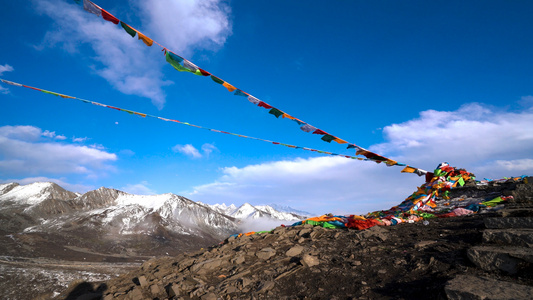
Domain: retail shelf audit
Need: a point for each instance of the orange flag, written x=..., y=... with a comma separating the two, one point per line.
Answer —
x=408, y=170
x=148, y=41
x=230, y=87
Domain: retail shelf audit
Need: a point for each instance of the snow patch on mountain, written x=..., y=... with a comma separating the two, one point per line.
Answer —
x=34, y=193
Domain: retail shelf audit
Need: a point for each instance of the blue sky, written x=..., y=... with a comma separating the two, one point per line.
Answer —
x=420, y=82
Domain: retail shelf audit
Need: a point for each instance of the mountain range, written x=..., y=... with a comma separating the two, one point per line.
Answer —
x=42, y=217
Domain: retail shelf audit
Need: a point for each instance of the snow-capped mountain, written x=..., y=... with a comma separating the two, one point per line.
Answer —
x=34, y=193
x=111, y=217
x=248, y=211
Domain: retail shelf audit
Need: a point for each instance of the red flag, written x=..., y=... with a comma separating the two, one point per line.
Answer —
x=109, y=17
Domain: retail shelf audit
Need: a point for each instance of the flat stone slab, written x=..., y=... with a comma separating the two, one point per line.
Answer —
x=517, y=212
x=507, y=259
x=514, y=237
x=464, y=287
x=513, y=222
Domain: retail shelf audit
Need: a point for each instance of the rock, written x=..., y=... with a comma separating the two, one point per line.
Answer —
x=174, y=290
x=310, y=260
x=91, y=296
x=141, y=281
x=516, y=237
x=238, y=260
x=464, y=287
x=265, y=253
x=305, y=232
x=246, y=281
x=424, y=244
x=508, y=259
x=136, y=294
x=294, y=251
x=154, y=289
x=267, y=285
x=500, y=223
x=209, y=296
x=208, y=265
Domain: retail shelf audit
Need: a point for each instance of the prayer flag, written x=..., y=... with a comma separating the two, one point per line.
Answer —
x=204, y=72
x=11, y=83
x=240, y=93
x=276, y=112
x=109, y=17
x=253, y=99
x=217, y=80
x=51, y=93
x=189, y=65
x=340, y=141
x=263, y=104
x=230, y=87
x=308, y=128
x=318, y=131
x=408, y=169
x=148, y=41
x=92, y=8
x=328, y=138
x=128, y=29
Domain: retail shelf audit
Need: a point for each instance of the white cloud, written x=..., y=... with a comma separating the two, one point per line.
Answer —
x=476, y=137
x=526, y=101
x=188, y=150
x=191, y=151
x=207, y=149
x=490, y=142
x=320, y=185
x=79, y=140
x=138, y=189
x=125, y=62
x=23, y=152
x=53, y=135
x=187, y=25
x=5, y=68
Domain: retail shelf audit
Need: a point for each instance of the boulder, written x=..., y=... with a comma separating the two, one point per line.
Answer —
x=464, y=287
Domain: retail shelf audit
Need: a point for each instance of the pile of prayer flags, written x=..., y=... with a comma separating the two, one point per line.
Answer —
x=418, y=206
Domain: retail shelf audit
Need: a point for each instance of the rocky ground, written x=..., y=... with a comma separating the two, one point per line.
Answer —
x=465, y=257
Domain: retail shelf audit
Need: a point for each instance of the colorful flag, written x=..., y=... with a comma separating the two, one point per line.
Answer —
x=253, y=100
x=276, y=112
x=109, y=17
x=148, y=41
x=263, y=104
x=128, y=29
x=92, y=8
x=230, y=87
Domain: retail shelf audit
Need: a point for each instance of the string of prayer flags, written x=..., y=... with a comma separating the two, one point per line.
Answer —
x=176, y=61
x=175, y=121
